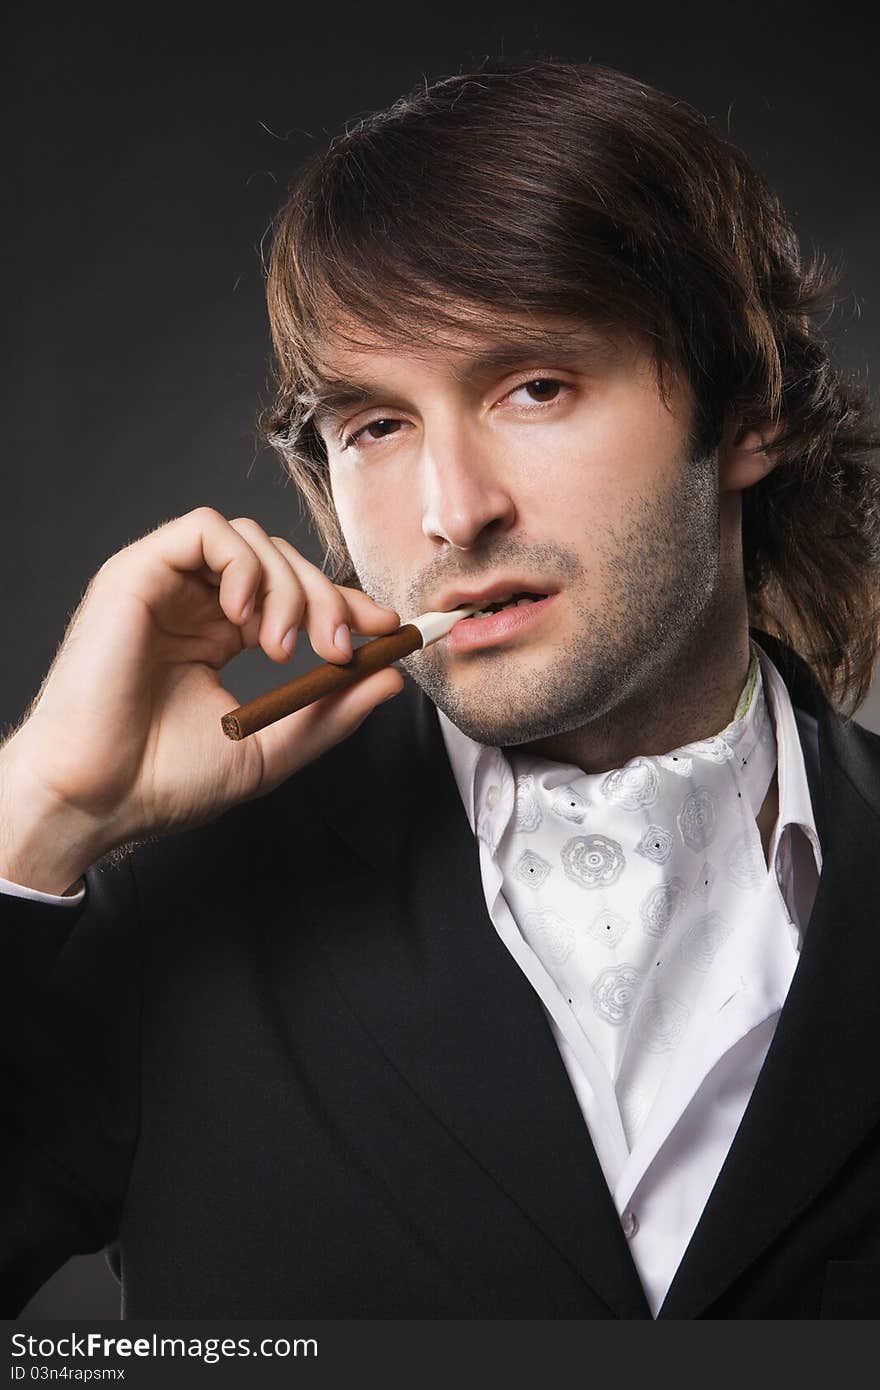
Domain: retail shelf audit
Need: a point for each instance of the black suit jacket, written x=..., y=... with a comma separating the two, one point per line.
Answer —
x=284, y=1065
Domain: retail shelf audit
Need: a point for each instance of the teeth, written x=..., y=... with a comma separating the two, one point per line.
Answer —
x=498, y=607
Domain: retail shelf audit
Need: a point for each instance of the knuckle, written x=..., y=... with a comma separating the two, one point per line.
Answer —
x=205, y=514
x=288, y=552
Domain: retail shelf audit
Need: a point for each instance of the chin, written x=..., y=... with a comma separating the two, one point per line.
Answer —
x=503, y=703
x=509, y=728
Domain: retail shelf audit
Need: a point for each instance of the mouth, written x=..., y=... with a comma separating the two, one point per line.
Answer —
x=518, y=600
x=499, y=622
x=500, y=591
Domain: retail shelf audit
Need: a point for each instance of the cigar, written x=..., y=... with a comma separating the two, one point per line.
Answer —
x=330, y=677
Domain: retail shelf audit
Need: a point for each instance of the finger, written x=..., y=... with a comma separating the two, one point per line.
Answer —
x=371, y=611
x=329, y=617
x=281, y=597
x=201, y=540
x=367, y=615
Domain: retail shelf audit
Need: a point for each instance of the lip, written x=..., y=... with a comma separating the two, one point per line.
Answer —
x=498, y=628
x=490, y=593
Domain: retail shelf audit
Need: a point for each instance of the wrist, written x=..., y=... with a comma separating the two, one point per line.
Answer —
x=44, y=844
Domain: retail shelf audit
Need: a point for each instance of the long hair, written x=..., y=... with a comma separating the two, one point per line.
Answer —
x=573, y=189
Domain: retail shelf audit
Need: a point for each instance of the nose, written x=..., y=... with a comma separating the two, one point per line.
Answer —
x=464, y=491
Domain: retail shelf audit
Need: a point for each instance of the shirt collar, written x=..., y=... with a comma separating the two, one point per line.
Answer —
x=795, y=803
x=484, y=779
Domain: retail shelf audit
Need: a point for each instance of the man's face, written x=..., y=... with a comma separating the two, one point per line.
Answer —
x=557, y=472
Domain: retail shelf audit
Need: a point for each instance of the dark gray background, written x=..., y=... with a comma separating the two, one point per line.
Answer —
x=146, y=156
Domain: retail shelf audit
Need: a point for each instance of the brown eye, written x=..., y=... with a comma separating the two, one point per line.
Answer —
x=379, y=428
x=542, y=388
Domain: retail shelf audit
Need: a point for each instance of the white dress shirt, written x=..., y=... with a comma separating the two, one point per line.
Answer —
x=661, y=1184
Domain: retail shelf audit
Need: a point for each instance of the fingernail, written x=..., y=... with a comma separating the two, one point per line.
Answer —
x=342, y=640
x=288, y=641
x=247, y=610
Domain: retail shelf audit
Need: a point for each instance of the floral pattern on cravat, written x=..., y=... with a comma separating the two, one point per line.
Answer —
x=628, y=883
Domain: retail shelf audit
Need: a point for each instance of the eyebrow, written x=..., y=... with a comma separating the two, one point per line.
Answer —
x=332, y=396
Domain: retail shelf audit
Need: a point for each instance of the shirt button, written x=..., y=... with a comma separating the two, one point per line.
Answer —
x=492, y=796
x=630, y=1224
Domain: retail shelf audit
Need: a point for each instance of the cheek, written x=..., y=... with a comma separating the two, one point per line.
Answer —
x=376, y=523
x=600, y=461
x=352, y=506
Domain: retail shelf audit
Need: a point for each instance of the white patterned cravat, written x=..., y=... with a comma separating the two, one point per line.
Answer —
x=626, y=884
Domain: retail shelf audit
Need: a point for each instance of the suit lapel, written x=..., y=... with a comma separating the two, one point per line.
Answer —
x=810, y=1106
x=414, y=951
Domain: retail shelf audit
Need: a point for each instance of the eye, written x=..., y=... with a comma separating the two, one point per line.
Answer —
x=384, y=426
x=542, y=389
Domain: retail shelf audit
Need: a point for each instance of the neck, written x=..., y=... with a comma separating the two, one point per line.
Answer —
x=691, y=697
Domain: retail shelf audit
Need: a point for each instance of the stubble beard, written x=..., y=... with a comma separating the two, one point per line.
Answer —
x=659, y=574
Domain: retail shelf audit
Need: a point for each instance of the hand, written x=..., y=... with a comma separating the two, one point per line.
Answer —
x=124, y=738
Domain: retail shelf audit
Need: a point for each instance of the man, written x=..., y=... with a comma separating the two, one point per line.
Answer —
x=547, y=989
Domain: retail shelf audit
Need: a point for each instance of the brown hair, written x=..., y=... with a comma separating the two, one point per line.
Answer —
x=575, y=190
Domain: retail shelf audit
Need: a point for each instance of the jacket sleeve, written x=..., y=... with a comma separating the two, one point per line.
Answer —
x=70, y=1002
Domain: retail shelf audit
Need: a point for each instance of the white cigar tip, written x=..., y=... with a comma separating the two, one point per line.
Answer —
x=433, y=626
